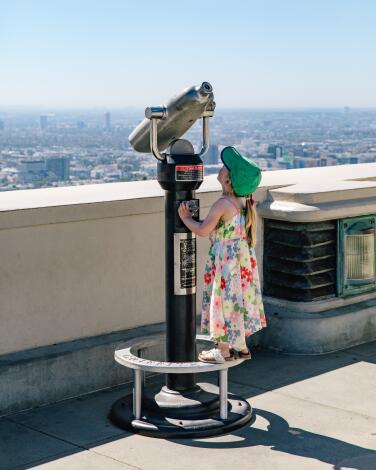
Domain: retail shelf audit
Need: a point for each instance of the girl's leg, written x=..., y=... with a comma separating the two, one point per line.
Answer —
x=240, y=344
x=224, y=349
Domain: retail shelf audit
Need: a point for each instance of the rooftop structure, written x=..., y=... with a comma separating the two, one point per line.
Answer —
x=72, y=289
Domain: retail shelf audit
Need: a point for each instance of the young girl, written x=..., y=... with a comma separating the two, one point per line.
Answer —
x=232, y=304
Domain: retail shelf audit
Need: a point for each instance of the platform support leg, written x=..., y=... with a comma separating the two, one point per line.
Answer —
x=223, y=390
x=137, y=393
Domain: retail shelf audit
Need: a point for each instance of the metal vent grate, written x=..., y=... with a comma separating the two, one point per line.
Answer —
x=299, y=259
x=360, y=255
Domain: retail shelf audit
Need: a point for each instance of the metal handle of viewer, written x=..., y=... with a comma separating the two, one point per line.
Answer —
x=208, y=113
x=154, y=140
x=205, y=136
x=154, y=114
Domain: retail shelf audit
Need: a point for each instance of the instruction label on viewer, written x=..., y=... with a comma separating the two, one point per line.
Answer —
x=189, y=172
x=184, y=263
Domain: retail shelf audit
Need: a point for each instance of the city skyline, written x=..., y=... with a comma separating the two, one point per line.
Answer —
x=290, y=55
x=70, y=148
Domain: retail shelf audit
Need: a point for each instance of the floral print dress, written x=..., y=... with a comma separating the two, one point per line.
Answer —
x=232, y=306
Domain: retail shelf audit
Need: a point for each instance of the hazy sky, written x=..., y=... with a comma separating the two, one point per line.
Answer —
x=119, y=53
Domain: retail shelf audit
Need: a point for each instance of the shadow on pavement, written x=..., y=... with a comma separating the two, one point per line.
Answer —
x=281, y=437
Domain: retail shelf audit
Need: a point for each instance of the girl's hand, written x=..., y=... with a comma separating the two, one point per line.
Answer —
x=184, y=211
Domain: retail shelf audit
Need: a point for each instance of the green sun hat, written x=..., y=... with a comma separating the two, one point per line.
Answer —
x=245, y=175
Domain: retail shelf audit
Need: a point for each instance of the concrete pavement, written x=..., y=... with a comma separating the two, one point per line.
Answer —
x=310, y=412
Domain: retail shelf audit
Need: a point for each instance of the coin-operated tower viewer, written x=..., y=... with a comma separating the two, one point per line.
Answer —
x=182, y=408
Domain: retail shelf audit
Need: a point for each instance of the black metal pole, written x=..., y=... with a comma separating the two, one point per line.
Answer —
x=180, y=309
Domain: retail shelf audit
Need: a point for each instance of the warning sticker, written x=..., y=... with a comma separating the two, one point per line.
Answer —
x=184, y=263
x=189, y=172
x=188, y=263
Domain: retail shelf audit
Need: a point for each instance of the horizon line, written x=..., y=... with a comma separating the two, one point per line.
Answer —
x=224, y=108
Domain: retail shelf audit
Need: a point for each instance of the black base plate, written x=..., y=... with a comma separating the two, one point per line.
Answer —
x=170, y=414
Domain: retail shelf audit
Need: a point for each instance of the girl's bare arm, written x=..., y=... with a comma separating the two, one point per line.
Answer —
x=204, y=227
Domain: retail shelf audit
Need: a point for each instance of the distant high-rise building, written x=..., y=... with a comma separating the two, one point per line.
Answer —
x=32, y=170
x=43, y=122
x=107, y=121
x=347, y=160
x=59, y=166
x=2, y=125
x=211, y=158
x=286, y=157
x=323, y=161
x=81, y=124
x=299, y=151
x=275, y=151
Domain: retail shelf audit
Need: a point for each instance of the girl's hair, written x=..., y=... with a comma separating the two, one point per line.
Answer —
x=250, y=223
x=250, y=218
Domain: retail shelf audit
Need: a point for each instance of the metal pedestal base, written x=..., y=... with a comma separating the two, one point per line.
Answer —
x=171, y=414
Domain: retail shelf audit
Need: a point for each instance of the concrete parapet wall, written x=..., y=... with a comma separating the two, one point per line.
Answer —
x=76, y=264
x=88, y=261
x=49, y=374
x=79, y=270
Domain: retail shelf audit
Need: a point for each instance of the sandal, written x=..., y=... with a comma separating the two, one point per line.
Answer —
x=216, y=356
x=237, y=354
x=240, y=354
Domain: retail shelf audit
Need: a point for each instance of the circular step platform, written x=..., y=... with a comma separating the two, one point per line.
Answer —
x=205, y=410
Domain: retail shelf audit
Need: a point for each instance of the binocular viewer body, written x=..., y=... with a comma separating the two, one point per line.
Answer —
x=174, y=119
